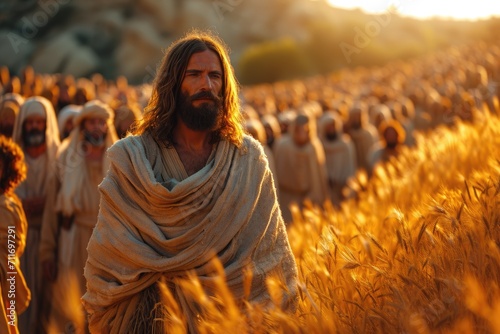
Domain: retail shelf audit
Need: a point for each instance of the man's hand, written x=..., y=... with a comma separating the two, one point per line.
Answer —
x=49, y=270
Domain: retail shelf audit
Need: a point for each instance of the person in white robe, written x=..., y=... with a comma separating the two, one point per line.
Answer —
x=36, y=132
x=72, y=210
x=340, y=154
x=301, y=166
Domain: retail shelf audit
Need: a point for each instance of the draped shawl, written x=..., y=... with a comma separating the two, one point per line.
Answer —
x=147, y=229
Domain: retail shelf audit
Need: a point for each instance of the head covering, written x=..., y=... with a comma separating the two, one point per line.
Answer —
x=286, y=117
x=71, y=161
x=94, y=108
x=38, y=105
x=329, y=117
x=254, y=126
x=307, y=119
x=71, y=110
x=126, y=112
x=8, y=108
x=17, y=98
x=272, y=122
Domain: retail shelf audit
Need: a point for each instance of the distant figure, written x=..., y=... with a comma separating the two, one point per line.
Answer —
x=65, y=119
x=125, y=117
x=301, y=166
x=256, y=130
x=363, y=134
x=13, y=229
x=340, y=154
x=188, y=186
x=285, y=119
x=393, y=135
x=36, y=132
x=73, y=206
x=272, y=129
x=8, y=113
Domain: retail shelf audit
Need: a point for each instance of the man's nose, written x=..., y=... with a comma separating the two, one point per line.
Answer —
x=207, y=83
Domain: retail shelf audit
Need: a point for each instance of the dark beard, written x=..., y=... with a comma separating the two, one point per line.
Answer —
x=95, y=139
x=391, y=145
x=356, y=126
x=34, y=138
x=331, y=136
x=206, y=117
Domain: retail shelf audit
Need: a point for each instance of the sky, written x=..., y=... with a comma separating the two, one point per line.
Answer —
x=422, y=9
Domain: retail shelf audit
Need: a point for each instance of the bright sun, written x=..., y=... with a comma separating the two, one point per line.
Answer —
x=470, y=10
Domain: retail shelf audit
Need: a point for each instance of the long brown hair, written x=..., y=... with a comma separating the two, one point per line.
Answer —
x=160, y=117
x=14, y=167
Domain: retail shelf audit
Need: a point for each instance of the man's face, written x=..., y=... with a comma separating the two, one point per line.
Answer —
x=391, y=137
x=269, y=134
x=356, y=121
x=95, y=130
x=301, y=134
x=7, y=124
x=331, y=131
x=34, y=131
x=199, y=104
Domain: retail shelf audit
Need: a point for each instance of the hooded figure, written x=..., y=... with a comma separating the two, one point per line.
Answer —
x=301, y=165
x=393, y=135
x=68, y=224
x=125, y=116
x=363, y=134
x=36, y=132
x=8, y=114
x=256, y=130
x=65, y=119
x=340, y=154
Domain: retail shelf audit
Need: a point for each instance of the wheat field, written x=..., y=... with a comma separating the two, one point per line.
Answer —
x=417, y=250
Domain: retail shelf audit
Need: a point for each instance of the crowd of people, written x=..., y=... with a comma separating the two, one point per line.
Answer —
x=316, y=134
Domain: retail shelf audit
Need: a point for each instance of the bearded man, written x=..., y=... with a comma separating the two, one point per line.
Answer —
x=189, y=186
x=36, y=132
x=301, y=165
x=340, y=154
x=72, y=211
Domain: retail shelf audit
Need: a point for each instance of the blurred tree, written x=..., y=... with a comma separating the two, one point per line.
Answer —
x=272, y=61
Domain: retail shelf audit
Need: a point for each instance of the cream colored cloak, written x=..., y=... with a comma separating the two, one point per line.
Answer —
x=149, y=228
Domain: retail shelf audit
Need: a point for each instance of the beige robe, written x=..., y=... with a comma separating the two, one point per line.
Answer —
x=34, y=186
x=364, y=139
x=155, y=221
x=68, y=249
x=75, y=194
x=301, y=173
x=13, y=228
x=340, y=157
x=40, y=171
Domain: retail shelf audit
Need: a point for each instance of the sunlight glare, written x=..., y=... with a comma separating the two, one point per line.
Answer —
x=469, y=10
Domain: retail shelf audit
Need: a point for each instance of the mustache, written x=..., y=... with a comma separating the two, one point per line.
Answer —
x=204, y=95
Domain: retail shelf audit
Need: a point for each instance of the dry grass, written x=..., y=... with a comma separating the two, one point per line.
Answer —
x=417, y=250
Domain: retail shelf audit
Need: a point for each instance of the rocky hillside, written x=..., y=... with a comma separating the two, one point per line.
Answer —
x=128, y=37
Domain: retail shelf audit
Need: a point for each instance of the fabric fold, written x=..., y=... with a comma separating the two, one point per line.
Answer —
x=146, y=231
